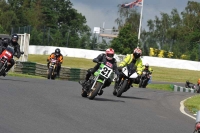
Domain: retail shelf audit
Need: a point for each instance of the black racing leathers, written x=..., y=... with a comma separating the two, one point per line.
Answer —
x=98, y=59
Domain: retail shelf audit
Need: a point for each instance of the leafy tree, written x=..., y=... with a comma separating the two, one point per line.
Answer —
x=126, y=41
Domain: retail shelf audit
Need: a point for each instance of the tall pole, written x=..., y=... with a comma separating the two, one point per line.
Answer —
x=140, y=21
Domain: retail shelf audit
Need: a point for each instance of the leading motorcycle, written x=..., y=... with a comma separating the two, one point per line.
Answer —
x=96, y=82
x=129, y=74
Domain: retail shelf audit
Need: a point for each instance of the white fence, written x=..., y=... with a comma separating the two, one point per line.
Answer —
x=90, y=54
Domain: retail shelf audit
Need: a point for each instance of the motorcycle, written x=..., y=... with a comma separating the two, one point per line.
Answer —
x=94, y=85
x=5, y=58
x=129, y=74
x=190, y=85
x=52, y=71
x=145, y=77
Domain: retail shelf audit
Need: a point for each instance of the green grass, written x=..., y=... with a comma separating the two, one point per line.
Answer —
x=193, y=104
x=159, y=74
x=23, y=75
x=167, y=87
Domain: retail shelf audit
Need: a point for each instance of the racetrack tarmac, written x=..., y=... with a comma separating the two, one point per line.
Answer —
x=53, y=106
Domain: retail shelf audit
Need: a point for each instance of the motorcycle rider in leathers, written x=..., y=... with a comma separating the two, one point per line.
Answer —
x=59, y=57
x=13, y=43
x=108, y=57
x=137, y=64
x=146, y=68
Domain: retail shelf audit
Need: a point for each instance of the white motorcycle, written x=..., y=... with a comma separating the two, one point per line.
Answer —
x=129, y=74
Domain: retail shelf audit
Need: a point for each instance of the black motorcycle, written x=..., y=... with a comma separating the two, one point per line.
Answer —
x=190, y=85
x=145, y=77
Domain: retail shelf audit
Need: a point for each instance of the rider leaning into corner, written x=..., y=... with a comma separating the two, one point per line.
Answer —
x=137, y=64
x=107, y=57
x=13, y=43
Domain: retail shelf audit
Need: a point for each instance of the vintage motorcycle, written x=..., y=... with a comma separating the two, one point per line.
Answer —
x=5, y=58
x=129, y=75
x=145, y=77
x=95, y=84
x=52, y=71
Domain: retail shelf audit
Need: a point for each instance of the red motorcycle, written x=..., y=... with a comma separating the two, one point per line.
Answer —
x=5, y=58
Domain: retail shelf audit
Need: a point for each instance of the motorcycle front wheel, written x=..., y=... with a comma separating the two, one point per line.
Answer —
x=84, y=93
x=49, y=76
x=122, y=88
x=2, y=70
x=94, y=91
x=140, y=84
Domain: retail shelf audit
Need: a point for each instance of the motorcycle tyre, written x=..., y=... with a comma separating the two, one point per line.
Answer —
x=114, y=90
x=94, y=91
x=49, y=76
x=122, y=88
x=144, y=84
x=140, y=84
x=84, y=93
x=198, y=90
x=2, y=71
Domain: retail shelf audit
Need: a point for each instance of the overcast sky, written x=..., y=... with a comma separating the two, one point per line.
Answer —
x=99, y=11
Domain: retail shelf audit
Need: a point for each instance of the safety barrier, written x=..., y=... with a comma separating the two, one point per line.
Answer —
x=31, y=68
x=183, y=89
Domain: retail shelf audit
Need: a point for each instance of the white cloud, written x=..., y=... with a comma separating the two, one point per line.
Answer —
x=95, y=16
x=97, y=12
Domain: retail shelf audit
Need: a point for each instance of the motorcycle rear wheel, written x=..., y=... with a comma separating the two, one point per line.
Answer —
x=122, y=88
x=94, y=91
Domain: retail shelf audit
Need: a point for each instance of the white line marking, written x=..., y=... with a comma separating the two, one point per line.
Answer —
x=182, y=109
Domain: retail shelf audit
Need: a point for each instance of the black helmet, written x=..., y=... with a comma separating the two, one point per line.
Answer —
x=14, y=38
x=5, y=41
x=57, y=52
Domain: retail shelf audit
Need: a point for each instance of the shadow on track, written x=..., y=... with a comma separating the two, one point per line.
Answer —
x=130, y=97
x=13, y=80
x=105, y=99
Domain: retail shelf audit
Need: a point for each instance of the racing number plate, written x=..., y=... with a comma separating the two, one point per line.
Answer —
x=106, y=71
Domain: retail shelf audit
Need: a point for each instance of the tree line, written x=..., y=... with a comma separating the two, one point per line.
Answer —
x=57, y=23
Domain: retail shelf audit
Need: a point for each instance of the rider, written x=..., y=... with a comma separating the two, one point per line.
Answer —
x=59, y=57
x=147, y=68
x=13, y=43
x=107, y=57
x=137, y=62
x=4, y=43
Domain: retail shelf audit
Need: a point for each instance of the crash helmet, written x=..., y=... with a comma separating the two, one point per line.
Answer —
x=146, y=66
x=110, y=53
x=137, y=53
x=57, y=52
x=14, y=38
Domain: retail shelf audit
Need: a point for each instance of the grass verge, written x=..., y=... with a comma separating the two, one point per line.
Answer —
x=193, y=104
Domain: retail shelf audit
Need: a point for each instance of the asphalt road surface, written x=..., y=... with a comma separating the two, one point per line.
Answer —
x=52, y=106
